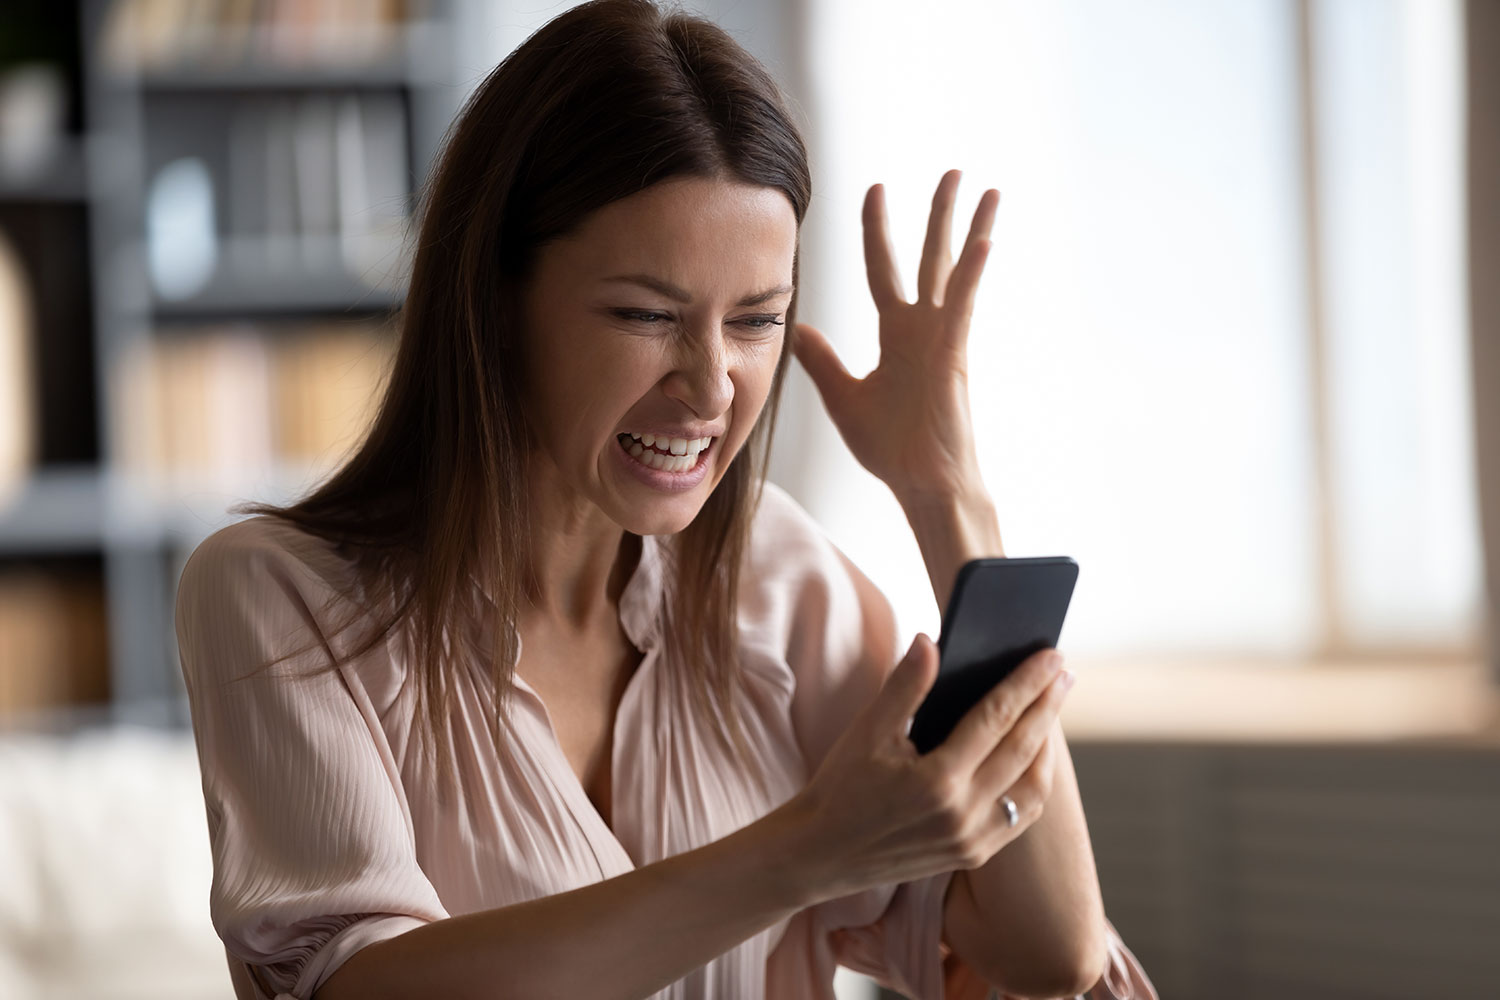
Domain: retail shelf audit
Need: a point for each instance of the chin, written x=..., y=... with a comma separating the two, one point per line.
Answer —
x=667, y=518
x=642, y=510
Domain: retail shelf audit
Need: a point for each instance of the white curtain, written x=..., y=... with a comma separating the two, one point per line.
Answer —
x=1141, y=349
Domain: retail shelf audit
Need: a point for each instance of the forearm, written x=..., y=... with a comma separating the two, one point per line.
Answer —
x=1033, y=913
x=950, y=530
x=1037, y=901
x=624, y=937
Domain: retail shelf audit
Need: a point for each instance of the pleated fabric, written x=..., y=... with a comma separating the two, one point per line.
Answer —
x=327, y=837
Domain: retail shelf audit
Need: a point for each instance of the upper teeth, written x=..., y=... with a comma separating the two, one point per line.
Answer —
x=677, y=446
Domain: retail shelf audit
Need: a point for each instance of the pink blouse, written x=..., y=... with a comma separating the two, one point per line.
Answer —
x=326, y=839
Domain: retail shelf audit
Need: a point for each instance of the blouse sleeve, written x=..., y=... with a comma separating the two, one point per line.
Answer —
x=312, y=845
x=842, y=642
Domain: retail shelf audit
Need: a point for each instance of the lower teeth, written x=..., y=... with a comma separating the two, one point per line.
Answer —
x=652, y=459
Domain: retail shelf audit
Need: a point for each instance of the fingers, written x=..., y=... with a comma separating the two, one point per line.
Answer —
x=904, y=688
x=984, y=217
x=880, y=254
x=963, y=282
x=994, y=715
x=940, y=281
x=1029, y=794
x=1026, y=741
x=937, y=257
x=822, y=364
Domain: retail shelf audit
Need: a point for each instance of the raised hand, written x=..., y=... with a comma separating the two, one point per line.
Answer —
x=908, y=421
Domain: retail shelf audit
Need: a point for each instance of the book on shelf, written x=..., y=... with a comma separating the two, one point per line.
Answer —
x=231, y=404
x=156, y=35
x=373, y=186
x=315, y=183
x=19, y=433
x=53, y=641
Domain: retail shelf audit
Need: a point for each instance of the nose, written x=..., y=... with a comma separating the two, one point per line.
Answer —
x=700, y=377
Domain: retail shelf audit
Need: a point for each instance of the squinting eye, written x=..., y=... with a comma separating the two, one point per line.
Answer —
x=763, y=322
x=649, y=317
x=636, y=314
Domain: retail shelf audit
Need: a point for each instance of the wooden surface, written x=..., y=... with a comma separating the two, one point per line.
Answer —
x=1264, y=702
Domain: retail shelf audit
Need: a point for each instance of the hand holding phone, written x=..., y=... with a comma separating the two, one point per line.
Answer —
x=1001, y=612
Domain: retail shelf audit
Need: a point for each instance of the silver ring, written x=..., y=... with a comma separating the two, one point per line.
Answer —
x=1012, y=814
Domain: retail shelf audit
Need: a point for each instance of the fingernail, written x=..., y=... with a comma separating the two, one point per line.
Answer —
x=1066, y=679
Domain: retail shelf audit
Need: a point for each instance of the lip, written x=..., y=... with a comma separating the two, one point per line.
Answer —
x=667, y=482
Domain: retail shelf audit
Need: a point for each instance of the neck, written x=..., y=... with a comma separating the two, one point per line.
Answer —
x=580, y=561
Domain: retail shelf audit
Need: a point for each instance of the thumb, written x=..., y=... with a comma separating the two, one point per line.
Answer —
x=905, y=687
x=821, y=363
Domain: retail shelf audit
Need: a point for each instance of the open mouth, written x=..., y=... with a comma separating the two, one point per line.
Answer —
x=661, y=455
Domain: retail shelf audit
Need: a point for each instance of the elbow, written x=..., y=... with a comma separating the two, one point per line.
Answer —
x=1078, y=975
x=1051, y=982
x=1075, y=966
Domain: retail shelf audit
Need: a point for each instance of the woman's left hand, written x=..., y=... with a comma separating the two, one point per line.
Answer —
x=907, y=421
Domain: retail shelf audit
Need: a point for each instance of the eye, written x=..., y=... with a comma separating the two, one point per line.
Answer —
x=762, y=322
x=641, y=315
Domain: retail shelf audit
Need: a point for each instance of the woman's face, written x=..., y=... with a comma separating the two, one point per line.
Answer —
x=653, y=333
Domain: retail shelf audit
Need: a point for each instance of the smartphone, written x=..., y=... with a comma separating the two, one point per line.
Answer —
x=1001, y=611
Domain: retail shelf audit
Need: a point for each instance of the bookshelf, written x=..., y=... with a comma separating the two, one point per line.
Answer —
x=204, y=254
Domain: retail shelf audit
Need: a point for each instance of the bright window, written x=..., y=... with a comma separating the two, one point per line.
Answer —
x=1145, y=350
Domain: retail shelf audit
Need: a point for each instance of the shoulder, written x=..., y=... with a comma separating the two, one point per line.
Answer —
x=778, y=506
x=815, y=620
x=786, y=539
x=799, y=579
x=787, y=547
x=265, y=549
x=266, y=569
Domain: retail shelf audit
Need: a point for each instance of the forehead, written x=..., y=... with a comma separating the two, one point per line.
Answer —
x=707, y=236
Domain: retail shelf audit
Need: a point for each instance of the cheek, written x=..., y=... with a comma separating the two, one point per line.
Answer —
x=591, y=380
x=761, y=369
x=752, y=388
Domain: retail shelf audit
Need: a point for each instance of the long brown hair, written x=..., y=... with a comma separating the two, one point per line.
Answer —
x=605, y=100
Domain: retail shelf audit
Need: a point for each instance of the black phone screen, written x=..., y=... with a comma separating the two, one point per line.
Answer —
x=1001, y=611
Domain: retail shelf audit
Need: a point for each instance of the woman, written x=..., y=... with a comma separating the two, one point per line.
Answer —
x=574, y=708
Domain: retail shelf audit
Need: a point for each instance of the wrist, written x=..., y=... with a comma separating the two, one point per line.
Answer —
x=963, y=484
x=802, y=870
x=966, y=511
x=963, y=520
x=951, y=529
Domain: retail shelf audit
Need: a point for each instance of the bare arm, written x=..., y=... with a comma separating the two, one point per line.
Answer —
x=1031, y=919
x=1039, y=898
x=908, y=423
x=624, y=937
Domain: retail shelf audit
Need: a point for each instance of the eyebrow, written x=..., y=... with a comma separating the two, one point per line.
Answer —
x=671, y=291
